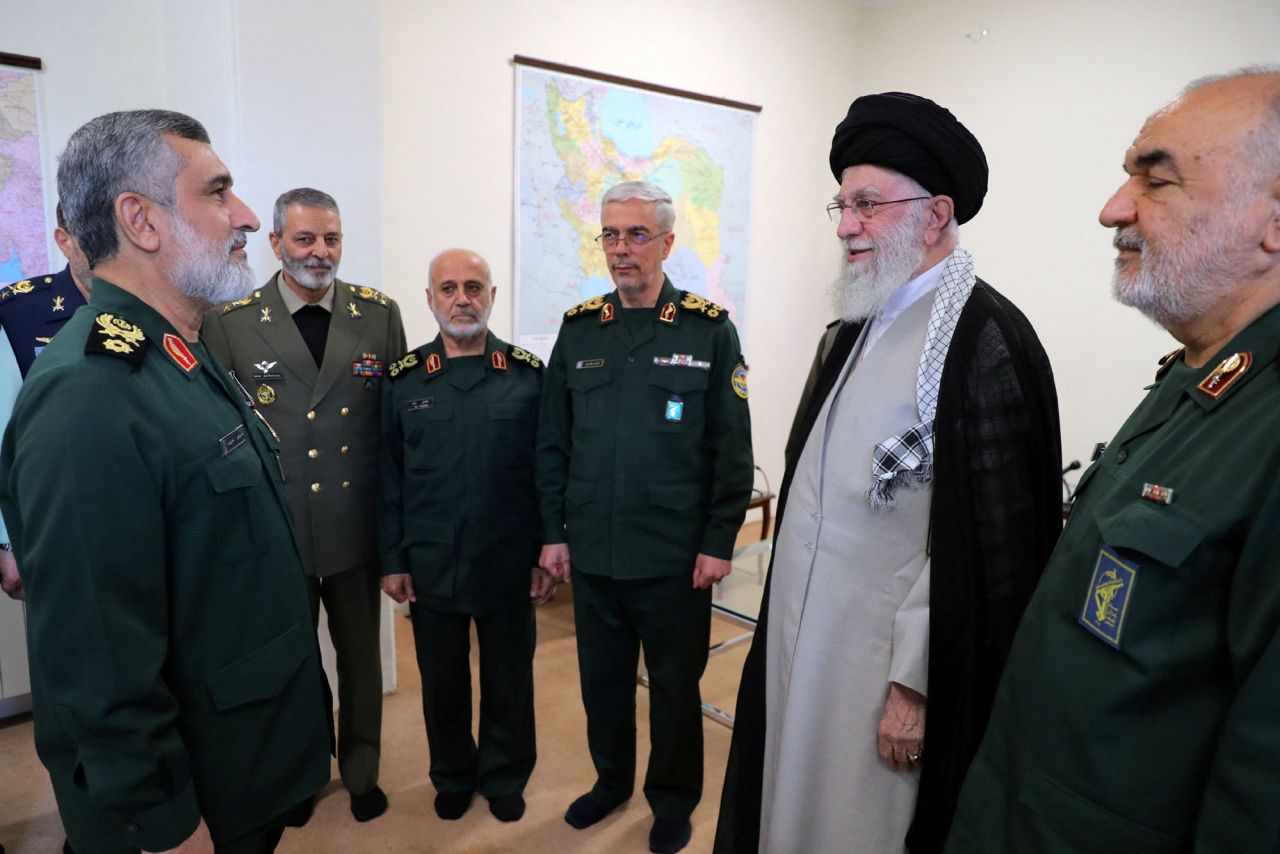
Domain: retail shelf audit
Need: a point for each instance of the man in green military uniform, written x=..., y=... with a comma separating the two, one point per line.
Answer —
x=1139, y=707
x=312, y=350
x=458, y=518
x=176, y=682
x=644, y=473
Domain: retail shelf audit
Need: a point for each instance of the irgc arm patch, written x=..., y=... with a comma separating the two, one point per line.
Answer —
x=112, y=335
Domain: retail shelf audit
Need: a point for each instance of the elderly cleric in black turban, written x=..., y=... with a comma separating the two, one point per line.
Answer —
x=920, y=139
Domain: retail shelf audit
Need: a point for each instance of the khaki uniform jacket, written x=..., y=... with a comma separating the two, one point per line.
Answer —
x=644, y=444
x=1140, y=707
x=175, y=673
x=458, y=510
x=327, y=417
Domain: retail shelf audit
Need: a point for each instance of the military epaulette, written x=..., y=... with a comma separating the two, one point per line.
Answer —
x=115, y=336
x=582, y=309
x=700, y=305
x=1167, y=361
x=23, y=286
x=241, y=303
x=522, y=355
x=369, y=294
x=401, y=366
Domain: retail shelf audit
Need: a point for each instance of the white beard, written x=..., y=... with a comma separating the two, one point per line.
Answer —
x=864, y=287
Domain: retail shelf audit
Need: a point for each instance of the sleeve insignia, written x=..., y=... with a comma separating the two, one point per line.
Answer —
x=739, y=381
x=693, y=302
x=241, y=303
x=401, y=366
x=584, y=308
x=522, y=355
x=368, y=294
x=115, y=336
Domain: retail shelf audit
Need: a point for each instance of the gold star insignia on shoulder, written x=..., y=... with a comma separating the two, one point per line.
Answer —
x=522, y=355
x=369, y=294
x=584, y=308
x=113, y=335
x=701, y=305
x=241, y=303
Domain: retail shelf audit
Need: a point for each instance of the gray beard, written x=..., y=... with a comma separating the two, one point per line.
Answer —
x=312, y=280
x=862, y=289
x=206, y=272
x=463, y=331
x=1177, y=283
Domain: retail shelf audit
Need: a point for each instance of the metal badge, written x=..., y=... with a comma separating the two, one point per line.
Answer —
x=675, y=408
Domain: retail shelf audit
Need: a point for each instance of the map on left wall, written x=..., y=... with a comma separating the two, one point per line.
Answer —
x=24, y=243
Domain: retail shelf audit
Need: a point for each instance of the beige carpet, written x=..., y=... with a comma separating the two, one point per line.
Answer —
x=29, y=820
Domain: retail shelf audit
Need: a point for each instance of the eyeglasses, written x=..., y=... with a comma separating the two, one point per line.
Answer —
x=610, y=239
x=865, y=208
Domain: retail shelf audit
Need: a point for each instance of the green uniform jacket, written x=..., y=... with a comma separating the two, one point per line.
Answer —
x=174, y=670
x=457, y=507
x=327, y=417
x=644, y=445
x=1140, y=708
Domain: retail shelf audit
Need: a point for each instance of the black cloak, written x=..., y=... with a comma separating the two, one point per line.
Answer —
x=995, y=516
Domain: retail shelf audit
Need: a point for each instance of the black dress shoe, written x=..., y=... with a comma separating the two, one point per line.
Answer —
x=587, y=810
x=669, y=835
x=370, y=805
x=507, y=807
x=296, y=816
x=451, y=806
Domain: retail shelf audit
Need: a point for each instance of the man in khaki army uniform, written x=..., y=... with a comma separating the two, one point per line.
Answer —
x=458, y=518
x=179, y=701
x=644, y=473
x=1138, y=710
x=312, y=350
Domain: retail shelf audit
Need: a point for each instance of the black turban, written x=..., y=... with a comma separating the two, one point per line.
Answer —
x=914, y=136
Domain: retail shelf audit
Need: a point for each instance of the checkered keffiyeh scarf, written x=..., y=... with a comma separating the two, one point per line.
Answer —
x=906, y=459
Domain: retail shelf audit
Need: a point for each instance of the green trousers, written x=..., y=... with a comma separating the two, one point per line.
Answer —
x=672, y=622
x=500, y=764
x=352, y=601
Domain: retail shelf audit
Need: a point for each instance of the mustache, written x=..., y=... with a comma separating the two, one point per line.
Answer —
x=237, y=240
x=851, y=245
x=1128, y=240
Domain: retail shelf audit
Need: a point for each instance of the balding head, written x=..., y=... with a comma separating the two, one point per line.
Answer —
x=460, y=296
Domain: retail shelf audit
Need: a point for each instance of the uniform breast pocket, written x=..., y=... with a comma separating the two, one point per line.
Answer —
x=426, y=428
x=512, y=425
x=677, y=399
x=589, y=389
x=1151, y=582
x=235, y=481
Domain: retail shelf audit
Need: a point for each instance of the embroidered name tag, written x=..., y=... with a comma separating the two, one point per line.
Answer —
x=590, y=363
x=424, y=403
x=1110, y=591
x=233, y=440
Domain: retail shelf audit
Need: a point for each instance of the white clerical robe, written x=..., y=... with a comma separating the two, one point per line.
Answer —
x=848, y=614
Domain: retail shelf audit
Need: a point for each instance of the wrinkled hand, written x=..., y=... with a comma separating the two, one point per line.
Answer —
x=708, y=570
x=902, y=729
x=541, y=586
x=555, y=560
x=10, y=581
x=399, y=586
x=198, y=842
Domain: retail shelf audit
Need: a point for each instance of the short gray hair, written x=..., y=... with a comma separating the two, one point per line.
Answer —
x=113, y=154
x=645, y=192
x=305, y=196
